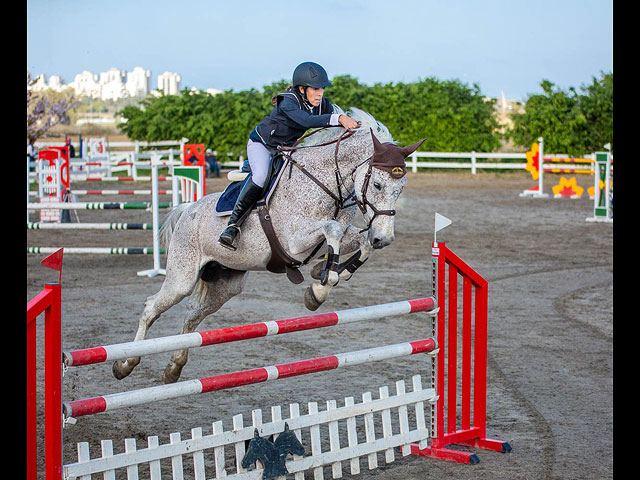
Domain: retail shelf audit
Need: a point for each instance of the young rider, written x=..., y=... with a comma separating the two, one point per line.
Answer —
x=297, y=109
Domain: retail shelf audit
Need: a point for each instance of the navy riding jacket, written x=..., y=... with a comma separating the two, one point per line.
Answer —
x=290, y=118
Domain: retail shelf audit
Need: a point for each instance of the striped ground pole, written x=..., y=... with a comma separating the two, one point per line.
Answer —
x=104, y=403
x=569, y=170
x=96, y=205
x=86, y=178
x=97, y=250
x=89, y=226
x=120, y=351
x=119, y=192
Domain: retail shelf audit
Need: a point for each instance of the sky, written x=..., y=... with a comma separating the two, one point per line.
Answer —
x=499, y=45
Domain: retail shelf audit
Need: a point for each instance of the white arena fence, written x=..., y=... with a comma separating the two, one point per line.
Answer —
x=130, y=153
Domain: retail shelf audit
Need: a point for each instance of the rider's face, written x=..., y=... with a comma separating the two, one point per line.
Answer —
x=314, y=95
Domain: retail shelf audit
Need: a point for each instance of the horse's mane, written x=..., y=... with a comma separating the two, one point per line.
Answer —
x=368, y=122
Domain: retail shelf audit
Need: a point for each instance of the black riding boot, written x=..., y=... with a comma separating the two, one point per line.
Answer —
x=249, y=195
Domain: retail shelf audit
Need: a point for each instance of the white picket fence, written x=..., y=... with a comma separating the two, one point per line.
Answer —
x=399, y=418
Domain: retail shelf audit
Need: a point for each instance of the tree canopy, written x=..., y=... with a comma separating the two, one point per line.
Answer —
x=453, y=116
x=570, y=122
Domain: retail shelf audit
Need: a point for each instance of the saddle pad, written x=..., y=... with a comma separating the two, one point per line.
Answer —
x=226, y=202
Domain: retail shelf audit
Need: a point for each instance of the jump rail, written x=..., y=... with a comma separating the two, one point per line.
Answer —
x=121, y=351
x=97, y=205
x=89, y=406
x=99, y=250
x=89, y=226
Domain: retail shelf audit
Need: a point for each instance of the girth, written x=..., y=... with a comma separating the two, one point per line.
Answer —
x=281, y=261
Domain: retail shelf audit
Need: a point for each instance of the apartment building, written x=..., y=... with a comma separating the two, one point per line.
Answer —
x=169, y=83
x=110, y=85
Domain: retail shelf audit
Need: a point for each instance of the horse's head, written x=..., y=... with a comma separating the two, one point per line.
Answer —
x=287, y=442
x=378, y=182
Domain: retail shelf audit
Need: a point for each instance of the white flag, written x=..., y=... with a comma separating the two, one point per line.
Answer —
x=440, y=223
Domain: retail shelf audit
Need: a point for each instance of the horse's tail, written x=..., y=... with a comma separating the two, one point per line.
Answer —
x=166, y=229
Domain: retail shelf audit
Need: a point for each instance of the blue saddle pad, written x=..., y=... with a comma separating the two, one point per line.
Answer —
x=226, y=202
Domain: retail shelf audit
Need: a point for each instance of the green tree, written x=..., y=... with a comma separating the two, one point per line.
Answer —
x=569, y=122
x=597, y=107
x=451, y=115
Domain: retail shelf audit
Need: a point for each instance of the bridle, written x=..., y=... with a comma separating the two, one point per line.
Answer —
x=339, y=200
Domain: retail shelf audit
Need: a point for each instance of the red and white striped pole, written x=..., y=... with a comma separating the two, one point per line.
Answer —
x=232, y=334
x=105, y=403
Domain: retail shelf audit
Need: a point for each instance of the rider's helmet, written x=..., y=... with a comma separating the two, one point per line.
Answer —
x=310, y=74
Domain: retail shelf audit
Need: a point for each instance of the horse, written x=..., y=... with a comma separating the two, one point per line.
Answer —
x=325, y=179
x=272, y=455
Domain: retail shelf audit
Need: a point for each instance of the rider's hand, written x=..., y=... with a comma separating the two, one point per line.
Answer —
x=348, y=122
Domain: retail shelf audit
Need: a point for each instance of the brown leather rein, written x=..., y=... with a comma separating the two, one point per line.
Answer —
x=338, y=199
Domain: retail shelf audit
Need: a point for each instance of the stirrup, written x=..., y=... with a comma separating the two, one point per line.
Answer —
x=227, y=242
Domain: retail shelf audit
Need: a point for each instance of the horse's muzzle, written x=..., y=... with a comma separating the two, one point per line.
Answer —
x=380, y=242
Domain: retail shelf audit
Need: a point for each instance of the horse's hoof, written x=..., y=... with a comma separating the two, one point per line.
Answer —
x=169, y=375
x=310, y=300
x=316, y=270
x=118, y=370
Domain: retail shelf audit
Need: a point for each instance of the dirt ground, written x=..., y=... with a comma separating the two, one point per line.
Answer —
x=550, y=338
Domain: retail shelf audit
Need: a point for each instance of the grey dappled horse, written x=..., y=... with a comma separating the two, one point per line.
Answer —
x=370, y=176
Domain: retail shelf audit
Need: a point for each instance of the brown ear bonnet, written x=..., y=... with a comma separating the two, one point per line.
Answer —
x=390, y=157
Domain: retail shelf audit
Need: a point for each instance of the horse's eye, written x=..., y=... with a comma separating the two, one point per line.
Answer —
x=377, y=186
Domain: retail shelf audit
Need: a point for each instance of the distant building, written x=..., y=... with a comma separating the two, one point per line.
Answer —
x=112, y=85
x=138, y=82
x=504, y=108
x=169, y=83
x=39, y=83
x=55, y=83
x=115, y=84
x=86, y=83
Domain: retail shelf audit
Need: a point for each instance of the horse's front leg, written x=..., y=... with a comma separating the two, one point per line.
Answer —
x=355, y=261
x=317, y=293
x=354, y=239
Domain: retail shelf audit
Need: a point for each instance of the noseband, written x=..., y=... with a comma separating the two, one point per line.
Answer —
x=339, y=200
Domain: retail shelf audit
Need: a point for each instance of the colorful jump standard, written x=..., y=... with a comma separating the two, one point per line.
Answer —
x=468, y=434
x=602, y=198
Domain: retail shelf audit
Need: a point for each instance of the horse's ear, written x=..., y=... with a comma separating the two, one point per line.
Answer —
x=256, y=434
x=377, y=146
x=406, y=151
x=286, y=427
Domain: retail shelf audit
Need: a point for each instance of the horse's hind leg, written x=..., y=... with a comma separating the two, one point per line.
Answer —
x=225, y=285
x=176, y=286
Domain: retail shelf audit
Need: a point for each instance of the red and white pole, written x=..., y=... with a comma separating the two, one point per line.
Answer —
x=89, y=406
x=121, y=351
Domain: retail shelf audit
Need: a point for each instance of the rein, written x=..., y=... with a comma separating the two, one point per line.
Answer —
x=338, y=199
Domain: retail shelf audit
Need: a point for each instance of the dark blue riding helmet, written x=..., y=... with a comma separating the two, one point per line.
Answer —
x=310, y=74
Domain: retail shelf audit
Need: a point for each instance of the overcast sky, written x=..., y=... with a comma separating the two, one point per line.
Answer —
x=503, y=46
